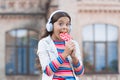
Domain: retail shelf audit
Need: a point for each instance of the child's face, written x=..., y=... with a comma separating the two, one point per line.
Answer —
x=62, y=25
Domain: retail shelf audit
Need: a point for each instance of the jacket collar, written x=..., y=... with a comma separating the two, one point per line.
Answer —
x=51, y=45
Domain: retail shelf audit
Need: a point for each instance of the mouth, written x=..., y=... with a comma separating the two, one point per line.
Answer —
x=63, y=33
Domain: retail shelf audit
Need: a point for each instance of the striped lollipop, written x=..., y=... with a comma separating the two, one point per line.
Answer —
x=65, y=36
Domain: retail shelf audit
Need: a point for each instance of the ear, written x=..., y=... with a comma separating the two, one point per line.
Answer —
x=70, y=28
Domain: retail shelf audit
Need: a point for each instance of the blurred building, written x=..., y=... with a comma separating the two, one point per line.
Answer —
x=95, y=25
x=20, y=23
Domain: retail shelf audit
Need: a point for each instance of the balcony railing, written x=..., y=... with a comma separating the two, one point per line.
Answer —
x=100, y=0
x=99, y=5
x=25, y=6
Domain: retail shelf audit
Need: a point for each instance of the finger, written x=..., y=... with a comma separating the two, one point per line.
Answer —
x=72, y=47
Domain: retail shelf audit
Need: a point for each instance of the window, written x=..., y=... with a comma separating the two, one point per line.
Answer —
x=20, y=52
x=100, y=48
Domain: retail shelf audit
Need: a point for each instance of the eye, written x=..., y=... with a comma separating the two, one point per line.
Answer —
x=68, y=24
x=61, y=24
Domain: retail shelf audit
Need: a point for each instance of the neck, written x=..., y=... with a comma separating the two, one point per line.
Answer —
x=55, y=39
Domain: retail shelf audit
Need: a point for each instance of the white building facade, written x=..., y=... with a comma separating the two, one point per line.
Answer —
x=95, y=25
x=96, y=28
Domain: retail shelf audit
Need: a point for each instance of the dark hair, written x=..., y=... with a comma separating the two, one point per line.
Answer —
x=54, y=18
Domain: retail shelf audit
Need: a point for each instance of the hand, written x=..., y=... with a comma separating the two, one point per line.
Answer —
x=69, y=47
x=74, y=58
x=73, y=54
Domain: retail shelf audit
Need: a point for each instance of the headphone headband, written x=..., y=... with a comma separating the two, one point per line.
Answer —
x=53, y=14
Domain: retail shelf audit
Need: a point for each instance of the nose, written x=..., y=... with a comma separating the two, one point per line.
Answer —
x=65, y=29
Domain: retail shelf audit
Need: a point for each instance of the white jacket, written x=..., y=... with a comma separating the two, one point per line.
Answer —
x=48, y=52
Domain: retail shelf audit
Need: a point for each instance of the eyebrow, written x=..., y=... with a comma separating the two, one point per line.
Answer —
x=62, y=21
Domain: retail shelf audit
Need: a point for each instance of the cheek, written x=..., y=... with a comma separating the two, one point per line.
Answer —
x=57, y=29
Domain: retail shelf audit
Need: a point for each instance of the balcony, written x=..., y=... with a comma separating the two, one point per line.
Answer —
x=23, y=6
x=99, y=5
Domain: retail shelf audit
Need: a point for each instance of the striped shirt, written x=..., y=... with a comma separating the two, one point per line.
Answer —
x=65, y=70
x=61, y=67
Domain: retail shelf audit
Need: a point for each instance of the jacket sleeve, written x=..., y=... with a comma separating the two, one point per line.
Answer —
x=78, y=68
x=48, y=66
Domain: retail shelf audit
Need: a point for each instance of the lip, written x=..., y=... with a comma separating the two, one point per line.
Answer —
x=63, y=32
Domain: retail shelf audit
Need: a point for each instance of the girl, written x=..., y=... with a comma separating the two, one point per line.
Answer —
x=60, y=59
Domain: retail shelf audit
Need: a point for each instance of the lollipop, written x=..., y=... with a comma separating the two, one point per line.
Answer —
x=65, y=36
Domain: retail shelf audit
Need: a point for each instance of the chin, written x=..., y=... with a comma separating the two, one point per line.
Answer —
x=59, y=38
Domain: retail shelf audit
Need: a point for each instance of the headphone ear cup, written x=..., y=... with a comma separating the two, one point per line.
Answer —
x=49, y=27
x=70, y=28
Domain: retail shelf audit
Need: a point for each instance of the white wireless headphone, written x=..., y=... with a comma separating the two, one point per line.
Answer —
x=49, y=25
